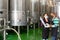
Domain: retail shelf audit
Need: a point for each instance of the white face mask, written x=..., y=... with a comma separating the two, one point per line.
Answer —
x=46, y=16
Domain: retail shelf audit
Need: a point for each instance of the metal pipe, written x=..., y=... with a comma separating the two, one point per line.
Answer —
x=27, y=31
x=18, y=30
x=4, y=29
x=34, y=31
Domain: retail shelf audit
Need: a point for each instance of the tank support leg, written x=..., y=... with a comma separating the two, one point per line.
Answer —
x=18, y=30
x=4, y=38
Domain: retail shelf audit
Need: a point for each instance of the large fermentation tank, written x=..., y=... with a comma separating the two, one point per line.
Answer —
x=34, y=10
x=17, y=13
x=58, y=9
x=3, y=10
x=33, y=7
x=5, y=4
x=58, y=14
x=42, y=6
x=1, y=5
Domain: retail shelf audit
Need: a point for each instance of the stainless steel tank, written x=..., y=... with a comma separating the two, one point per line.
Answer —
x=3, y=10
x=58, y=14
x=5, y=4
x=34, y=10
x=17, y=13
x=33, y=7
x=1, y=5
x=58, y=9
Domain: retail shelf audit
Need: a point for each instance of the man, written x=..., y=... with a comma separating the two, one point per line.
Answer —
x=55, y=24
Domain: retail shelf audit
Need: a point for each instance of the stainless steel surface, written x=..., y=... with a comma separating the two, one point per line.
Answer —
x=58, y=9
x=1, y=5
x=5, y=4
x=17, y=12
x=57, y=0
x=18, y=30
x=4, y=29
x=34, y=10
x=58, y=14
x=33, y=7
x=3, y=10
x=3, y=17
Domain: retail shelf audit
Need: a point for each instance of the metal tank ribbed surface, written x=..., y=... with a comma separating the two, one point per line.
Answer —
x=1, y=5
x=34, y=10
x=33, y=7
x=17, y=13
x=58, y=9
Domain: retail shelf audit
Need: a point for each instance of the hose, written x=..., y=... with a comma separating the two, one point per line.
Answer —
x=14, y=31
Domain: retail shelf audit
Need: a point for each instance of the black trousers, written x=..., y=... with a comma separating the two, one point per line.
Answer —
x=45, y=33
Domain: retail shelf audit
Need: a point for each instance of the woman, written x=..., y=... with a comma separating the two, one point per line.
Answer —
x=45, y=32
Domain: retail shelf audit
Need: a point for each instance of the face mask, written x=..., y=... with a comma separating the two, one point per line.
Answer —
x=46, y=16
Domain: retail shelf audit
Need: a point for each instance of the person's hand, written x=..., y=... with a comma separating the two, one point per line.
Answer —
x=53, y=26
x=47, y=25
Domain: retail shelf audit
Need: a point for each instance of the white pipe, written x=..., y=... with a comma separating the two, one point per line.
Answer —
x=14, y=31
